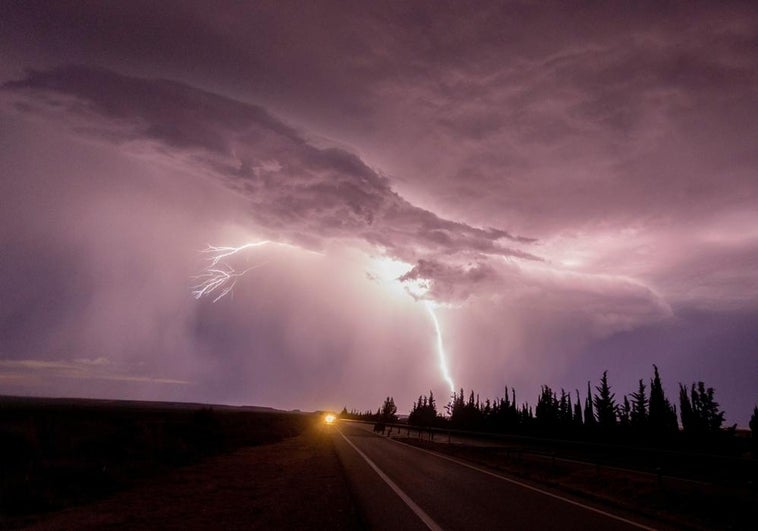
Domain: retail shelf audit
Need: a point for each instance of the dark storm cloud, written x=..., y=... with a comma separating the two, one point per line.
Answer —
x=295, y=189
x=454, y=283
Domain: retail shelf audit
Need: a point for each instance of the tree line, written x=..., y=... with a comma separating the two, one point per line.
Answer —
x=646, y=414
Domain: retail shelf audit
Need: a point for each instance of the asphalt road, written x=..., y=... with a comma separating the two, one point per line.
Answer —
x=403, y=487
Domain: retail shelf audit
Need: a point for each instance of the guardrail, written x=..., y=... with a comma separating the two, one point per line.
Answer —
x=658, y=462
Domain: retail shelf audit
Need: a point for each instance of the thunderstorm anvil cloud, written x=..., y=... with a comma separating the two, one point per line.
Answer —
x=298, y=192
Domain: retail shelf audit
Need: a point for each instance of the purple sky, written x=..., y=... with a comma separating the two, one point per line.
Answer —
x=576, y=187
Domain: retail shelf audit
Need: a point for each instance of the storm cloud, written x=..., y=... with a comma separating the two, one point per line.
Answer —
x=575, y=186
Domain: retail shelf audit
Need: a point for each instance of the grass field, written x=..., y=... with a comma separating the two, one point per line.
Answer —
x=63, y=454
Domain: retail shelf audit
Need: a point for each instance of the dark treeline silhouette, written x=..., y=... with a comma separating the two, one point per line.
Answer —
x=386, y=413
x=644, y=416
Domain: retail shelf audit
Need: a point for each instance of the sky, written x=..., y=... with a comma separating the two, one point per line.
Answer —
x=565, y=188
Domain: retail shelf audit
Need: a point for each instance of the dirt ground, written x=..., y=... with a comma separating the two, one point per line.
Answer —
x=294, y=484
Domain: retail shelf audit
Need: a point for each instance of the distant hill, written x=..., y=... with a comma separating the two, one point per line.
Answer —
x=143, y=404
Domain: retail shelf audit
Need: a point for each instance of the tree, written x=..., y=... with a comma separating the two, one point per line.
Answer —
x=661, y=414
x=685, y=410
x=700, y=413
x=624, y=413
x=565, y=409
x=754, y=425
x=589, y=413
x=638, y=414
x=547, y=409
x=578, y=410
x=424, y=412
x=389, y=410
x=605, y=404
x=466, y=415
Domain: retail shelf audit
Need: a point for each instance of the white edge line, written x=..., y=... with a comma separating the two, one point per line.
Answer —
x=527, y=486
x=431, y=524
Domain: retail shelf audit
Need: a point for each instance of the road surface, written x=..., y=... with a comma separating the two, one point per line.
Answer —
x=403, y=487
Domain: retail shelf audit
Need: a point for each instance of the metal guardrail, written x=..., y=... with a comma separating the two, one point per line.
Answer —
x=658, y=462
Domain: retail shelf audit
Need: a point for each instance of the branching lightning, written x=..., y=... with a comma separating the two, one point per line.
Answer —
x=220, y=253
x=218, y=280
x=220, y=277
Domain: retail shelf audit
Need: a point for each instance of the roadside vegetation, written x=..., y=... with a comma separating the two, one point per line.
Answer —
x=645, y=417
x=673, y=460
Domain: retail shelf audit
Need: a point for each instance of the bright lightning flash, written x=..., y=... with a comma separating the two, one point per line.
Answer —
x=440, y=346
x=219, y=278
x=389, y=271
x=217, y=281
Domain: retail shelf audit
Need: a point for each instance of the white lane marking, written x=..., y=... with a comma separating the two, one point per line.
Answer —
x=527, y=486
x=431, y=524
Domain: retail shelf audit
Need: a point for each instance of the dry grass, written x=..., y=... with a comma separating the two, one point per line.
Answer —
x=294, y=484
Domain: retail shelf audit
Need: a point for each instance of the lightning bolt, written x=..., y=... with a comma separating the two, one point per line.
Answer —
x=220, y=253
x=219, y=278
x=440, y=346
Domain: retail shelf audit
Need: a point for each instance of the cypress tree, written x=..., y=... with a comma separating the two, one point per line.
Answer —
x=661, y=416
x=605, y=404
x=685, y=410
x=589, y=414
x=623, y=413
x=638, y=415
x=578, y=410
x=700, y=411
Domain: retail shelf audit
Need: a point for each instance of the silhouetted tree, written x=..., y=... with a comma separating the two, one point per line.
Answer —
x=754, y=426
x=605, y=404
x=578, y=410
x=624, y=413
x=547, y=409
x=564, y=409
x=700, y=413
x=424, y=412
x=388, y=411
x=589, y=413
x=638, y=414
x=504, y=415
x=685, y=410
x=661, y=415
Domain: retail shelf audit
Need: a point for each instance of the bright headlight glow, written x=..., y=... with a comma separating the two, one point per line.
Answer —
x=329, y=419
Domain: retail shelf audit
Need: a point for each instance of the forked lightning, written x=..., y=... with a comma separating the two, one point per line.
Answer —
x=220, y=277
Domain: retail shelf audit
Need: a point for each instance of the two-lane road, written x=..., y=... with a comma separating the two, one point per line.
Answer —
x=402, y=487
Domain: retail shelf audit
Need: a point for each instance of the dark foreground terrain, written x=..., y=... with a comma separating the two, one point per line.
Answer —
x=70, y=464
x=130, y=465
